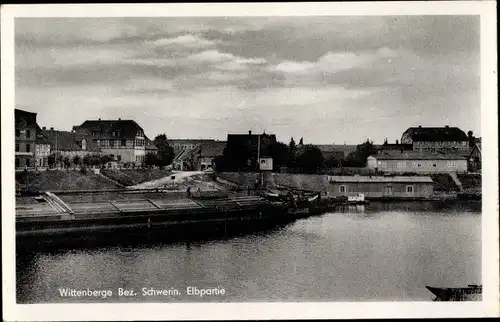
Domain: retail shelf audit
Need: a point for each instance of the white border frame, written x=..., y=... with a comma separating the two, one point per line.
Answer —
x=60, y=312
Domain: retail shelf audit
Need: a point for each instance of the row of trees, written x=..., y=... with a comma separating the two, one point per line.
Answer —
x=301, y=158
x=87, y=160
x=163, y=157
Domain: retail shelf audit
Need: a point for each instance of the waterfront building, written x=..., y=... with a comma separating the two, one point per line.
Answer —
x=404, y=187
x=25, y=139
x=124, y=140
x=434, y=139
x=417, y=162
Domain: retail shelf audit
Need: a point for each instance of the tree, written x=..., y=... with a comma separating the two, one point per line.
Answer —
x=280, y=154
x=77, y=160
x=358, y=157
x=165, y=153
x=51, y=160
x=310, y=159
x=151, y=159
x=332, y=162
x=66, y=162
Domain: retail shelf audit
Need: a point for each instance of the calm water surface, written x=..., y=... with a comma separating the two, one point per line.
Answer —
x=383, y=252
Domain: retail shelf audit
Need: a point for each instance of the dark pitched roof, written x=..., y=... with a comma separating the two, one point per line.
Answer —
x=392, y=146
x=434, y=134
x=127, y=128
x=417, y=155
x=67, y=141
x=212, y=149
x=29, y=117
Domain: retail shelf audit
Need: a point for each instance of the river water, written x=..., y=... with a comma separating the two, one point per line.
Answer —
x=378, y=252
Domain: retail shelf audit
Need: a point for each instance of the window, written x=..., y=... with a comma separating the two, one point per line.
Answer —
x=342, y=189
x=409, y=189
x=17, y=163
x=434, y=165
x=28, y=162
x=112, y=143
x=18, y=133
x=124, y=142
x=98, y=142
x=28, y=134
x=118, y=158
x=28, y=147
x=95, y=133
x=17, y=147
x=401, y=164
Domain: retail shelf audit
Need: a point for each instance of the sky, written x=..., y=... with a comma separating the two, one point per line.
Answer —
x=328, y=79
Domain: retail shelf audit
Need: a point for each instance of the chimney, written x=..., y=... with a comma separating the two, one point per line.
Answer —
x=249, y=132
x=44, y=128
x=99, y=119
x=446, y=126
x=52, y=129
x=397, y=141
x=420, y=126
x=119, y=119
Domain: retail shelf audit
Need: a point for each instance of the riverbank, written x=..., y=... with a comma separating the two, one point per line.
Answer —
x=443, y=185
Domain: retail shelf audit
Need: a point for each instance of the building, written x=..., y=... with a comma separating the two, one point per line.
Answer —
x=179, y=145
x=200, y=157
x=124, y=140
x=25, y=139
x=417, y=162
x=394, y=147
x=209, y=152
x=242, y=150
x=42, y=151
x=375, y=187
x=150, y=147
x=434, y=139
x=337, y=151
x=474, y=158
x=69, y=144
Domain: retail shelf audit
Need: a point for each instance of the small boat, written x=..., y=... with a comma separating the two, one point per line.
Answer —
x=470, y=293
x=357, y=199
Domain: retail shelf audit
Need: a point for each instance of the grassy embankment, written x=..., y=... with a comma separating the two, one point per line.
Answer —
x=62, y=180
x=131, y=177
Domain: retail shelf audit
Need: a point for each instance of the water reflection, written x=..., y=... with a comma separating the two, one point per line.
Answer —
x=378, y=252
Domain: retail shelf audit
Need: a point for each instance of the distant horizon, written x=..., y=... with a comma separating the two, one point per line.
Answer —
x=324, y=78
x=296, y=139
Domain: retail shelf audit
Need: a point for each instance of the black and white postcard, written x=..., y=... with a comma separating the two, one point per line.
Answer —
x=249, y=161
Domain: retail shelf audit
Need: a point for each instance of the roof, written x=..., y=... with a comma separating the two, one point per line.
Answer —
x=67, y=141
x=189, y=141
x=393, y=146
x=149, y=145
x=388, y=179
x=127, y=128
x=434, y=134
x=212, y=149
x=417, y=155
x=29, y=117
x=336, y=148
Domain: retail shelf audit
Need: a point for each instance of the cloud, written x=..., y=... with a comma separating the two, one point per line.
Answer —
x=185, y=40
